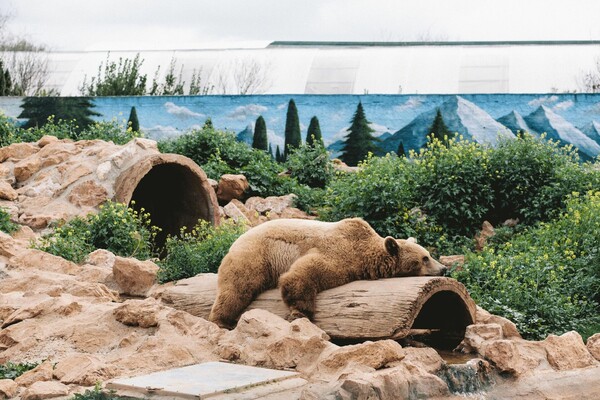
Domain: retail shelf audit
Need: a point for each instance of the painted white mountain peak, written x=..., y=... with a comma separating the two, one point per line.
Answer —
x=515, y=122
x=592, y=130
x=543, y=119
x=460, y=116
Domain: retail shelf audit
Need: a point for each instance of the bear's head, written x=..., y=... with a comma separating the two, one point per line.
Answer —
x=411, y=259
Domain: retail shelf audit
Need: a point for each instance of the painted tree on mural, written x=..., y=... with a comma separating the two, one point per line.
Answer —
x=359, y=140
x=38, y=111
x=5, y=81
x=133, y=121
x=439, y=129
x=313, y=134
x=260, y=140
x=293, y=137
x=401, y=152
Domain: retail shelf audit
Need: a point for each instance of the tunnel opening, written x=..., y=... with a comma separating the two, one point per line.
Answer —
x=173, y=190
x=442, y=321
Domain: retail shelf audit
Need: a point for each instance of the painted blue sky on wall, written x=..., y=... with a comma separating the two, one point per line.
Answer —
x=572, y=118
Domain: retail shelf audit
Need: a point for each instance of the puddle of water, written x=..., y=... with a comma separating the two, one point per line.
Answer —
x=453, y=357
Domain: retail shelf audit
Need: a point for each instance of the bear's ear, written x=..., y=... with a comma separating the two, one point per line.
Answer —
x=412, y=240
x=391, y=246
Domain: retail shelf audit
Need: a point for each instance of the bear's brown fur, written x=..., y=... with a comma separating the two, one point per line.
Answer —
x=305, y=257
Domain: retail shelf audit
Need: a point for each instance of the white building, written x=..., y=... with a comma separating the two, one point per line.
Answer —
x=358, y=68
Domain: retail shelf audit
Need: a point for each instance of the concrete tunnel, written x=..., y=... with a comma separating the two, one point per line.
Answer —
x=172, y=188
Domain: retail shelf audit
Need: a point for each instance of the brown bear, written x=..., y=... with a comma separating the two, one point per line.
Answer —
x=305, y=257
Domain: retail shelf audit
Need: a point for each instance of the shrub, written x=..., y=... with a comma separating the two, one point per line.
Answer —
x=547, y=279
x=12, y=371
x=453, y=183
x=198, y=251
x=116, y=228
x=219, y=152
x=110, y=131
x=8, y=130
x=98, y=394
x=531, y=178
x=6, y=225
x=310, y=165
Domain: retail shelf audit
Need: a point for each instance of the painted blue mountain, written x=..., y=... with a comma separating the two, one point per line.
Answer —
x=460, y=116
x=592, y=130
x=543, y=119
x=247, y=136
x=516, y=123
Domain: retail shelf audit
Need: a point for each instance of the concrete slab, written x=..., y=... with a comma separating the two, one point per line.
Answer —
x=201, y=381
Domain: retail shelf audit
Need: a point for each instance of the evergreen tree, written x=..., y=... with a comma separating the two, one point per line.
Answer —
x=133, y=121
x=278, y=156
x=293, y=137
x=38, y=109
x=260, y=140
x=8, y=84
x=359, y=140
x=208, y=124
x=3, y=91
x=270, y=149
x=439, y=129
x=401, y=152
x=313, y=135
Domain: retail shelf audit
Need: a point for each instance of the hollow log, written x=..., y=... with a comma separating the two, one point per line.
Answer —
x=386, y=308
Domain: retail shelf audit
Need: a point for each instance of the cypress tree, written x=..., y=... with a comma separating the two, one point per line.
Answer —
x=313, y=135
x=439, y=129
x=260, y=140
x=2, y=80
x=208, y=124
x=270, y=149
x=278, y=156
x=133, y=122
x=7, y=83
x=293, y=137
x=359, y=140
x=401, y=152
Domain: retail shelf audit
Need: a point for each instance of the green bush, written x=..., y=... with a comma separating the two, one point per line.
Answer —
x=116, y=228
x=6, y=225
x=98, y=394
x=310, y=165
x=547, y=279
x=219, y=153
x=8, y=130
x=12, y=371
x=531, y=178
x=198, y=251
x=453, y=184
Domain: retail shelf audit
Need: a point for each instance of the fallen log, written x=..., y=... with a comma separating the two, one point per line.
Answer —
x=387, y=308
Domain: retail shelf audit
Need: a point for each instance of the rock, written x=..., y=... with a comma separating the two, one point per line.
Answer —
x=292, y=212
x=73, y=174
x=17, y=151
x=88, y=194
x=43, y=372
x=83, y=369
x=46, y=140
x=375, y=355
x=516, y=357
x=487, y=231
x=593, y=345
x=45, y=390
x=511, y=222
x=236, y=210
x=476, y=335
x=24, y=169
x=36, y=221
x=7, y=192
x=456, y=261
x=568, y=352
x=425, y=358
x=262, y=338
x=101, y=258
x=8, y=245
x=339, y=165
x=24, y=234
x=231, y=187
x=37, y=259
x=8, y=388
x=134, y=277
x=509, y=329
x=142, y=313
x=271, y=204
x=213, y=184
x=29, y=310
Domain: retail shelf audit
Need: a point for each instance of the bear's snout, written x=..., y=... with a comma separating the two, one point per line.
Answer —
x=443, y=270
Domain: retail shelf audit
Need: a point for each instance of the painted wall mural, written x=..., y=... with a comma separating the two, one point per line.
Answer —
x=570, y=118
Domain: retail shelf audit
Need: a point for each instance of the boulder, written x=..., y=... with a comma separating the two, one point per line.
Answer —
x=476, y=335
x=593, y=346
x=88, y=194
x=45, y=390
x=142, y=313
x=17, y=151
x=487, y=231
x=83, y=369
x=7, y=192
x=271, y=204
x=568, y=352
x=25, y=169
x=8, y=388
x=40, y=260
x=456, y=261
x=509, y=329
x=8, y=246
x=43, y=372
x=237, y=211
x=134, y=277
x=516, y=357
x=231, y=187
x=101, y=258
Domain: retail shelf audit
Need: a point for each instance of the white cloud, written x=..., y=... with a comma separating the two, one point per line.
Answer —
x=159, y=132
x=410, y=104
x=563, y=105
x=181, y=112
x=251, y=110
x=543, y=100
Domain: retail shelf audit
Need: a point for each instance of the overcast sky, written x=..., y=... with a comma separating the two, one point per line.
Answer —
x=193, y=24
